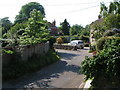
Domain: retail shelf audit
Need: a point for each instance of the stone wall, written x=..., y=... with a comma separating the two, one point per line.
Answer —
x=66, y=47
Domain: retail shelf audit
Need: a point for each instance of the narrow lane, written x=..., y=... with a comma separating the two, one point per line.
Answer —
x=62, y=74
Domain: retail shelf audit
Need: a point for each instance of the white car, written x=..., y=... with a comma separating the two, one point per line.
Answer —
x=78, y=43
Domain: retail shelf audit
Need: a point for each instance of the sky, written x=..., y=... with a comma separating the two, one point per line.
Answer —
x=81, y=12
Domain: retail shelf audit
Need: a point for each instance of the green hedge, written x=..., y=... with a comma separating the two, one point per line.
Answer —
x=100, y=43
x=18, y=69
x=104, y=67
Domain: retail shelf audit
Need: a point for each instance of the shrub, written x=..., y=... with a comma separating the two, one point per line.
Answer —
x=92, y=47
x=84, y=38
x=59, y=40
x=64, y=38
x=52, y=40
x=109, y=33
x=100, y=43
x=17, y=69
x=73, y=38
x=104, y=66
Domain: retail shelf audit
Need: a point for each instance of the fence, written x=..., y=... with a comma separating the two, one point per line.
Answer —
x=26, y=52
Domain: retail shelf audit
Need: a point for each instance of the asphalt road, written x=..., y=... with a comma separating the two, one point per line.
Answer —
x=62, y=74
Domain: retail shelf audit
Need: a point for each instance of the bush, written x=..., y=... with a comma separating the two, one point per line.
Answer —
x=104, y=66
x=92, y=47
x=52, y=40
x=84, y=38
x=59, y=40
x=109, y=33
x=100, y=43
x=17, y=69
x=73, y=38
x=65, y=39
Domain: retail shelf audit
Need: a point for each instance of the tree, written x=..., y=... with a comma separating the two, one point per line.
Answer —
x=24, y=13
x=103, y=10
x=113, y=8
x=112, y=21
x=112, y=16
x=6, y=24
x=98, y=29
x=65, y=27
x=36, y=31
x=109, y=18
x=76, y=29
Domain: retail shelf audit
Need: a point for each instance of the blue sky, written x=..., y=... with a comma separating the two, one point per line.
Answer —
x=80, y=12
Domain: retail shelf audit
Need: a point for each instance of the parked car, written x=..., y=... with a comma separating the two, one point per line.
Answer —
x=78, y=43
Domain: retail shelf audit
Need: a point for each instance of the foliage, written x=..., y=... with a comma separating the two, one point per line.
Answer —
x=76, y=29
x=18, y=69
x=92, y=48
x=109, y=33
x=84, y=38
x=7, y=51
x=112, y=21
x=109, y=18
x=15, y=31
x=59, y=40
x=65, y=27
x=24, y=13
x=98, y=29
x=51, y=40
x=113, y=8
x=65, y=38
x=105, y=65
x=6, y=24
x=36, y=31
x=100, y=43
x=80, y=32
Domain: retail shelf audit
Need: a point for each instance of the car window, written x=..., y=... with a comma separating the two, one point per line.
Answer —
x=80, y=42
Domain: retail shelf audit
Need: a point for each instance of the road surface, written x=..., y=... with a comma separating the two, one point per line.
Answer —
x=62, y=74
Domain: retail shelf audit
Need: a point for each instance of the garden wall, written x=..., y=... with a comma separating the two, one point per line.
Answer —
x=26, y=52
x=66, y=47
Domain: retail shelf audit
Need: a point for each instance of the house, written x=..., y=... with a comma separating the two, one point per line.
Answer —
x=92, y=31
x=52, y=28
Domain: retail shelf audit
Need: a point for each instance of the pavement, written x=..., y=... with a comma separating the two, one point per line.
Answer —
x=85, y=84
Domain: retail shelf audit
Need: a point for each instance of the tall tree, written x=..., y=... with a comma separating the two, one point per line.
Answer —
x=24, y=13
x=113, y=8
x=36, y=31
x=109, y=19
x=65, y=27
x=6, y=24
x=103, y=10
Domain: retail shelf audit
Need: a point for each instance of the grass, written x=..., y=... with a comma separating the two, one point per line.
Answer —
x=17, y=69
x=64, y=43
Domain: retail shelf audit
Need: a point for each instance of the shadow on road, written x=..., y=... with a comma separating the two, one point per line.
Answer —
x=45, y=75
x=67, y=56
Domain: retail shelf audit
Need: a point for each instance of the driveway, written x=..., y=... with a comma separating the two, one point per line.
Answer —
x=62, y=74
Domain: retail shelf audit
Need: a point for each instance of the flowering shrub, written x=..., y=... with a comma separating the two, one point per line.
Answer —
x=59, y=40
